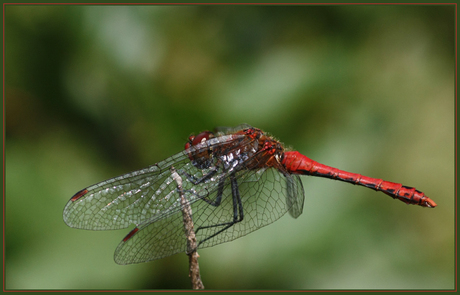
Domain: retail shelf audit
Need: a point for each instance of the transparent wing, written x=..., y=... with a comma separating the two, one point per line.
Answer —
x=141, y=195
x=266, y=195
x=295, y=196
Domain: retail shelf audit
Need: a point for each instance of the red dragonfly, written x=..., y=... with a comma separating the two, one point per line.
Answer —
x=235, y=182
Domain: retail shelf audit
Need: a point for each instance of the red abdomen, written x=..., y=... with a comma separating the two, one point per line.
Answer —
x=297, y=163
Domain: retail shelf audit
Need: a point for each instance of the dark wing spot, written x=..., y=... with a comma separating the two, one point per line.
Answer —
x=79, y=195
x=131, y=233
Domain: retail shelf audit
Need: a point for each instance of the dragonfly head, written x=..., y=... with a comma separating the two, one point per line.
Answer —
x=201, y=158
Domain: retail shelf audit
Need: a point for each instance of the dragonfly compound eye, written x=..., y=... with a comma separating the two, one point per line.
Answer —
x=202, y=137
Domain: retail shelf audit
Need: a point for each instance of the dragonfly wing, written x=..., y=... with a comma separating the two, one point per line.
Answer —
x=264, y=199
x=138, y=196
x=295, y=196
x=128, y=199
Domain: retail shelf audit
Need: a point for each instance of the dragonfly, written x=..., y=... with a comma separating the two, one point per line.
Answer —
x=235, y=181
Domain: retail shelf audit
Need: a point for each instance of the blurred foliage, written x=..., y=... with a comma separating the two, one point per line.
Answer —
x=96, y=91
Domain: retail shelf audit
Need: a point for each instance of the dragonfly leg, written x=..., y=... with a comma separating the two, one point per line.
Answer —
x=205, y=196
x=195, y=181
x=238, y=214
x=220, y=191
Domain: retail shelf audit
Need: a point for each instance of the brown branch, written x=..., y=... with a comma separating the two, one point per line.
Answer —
x=194, y=268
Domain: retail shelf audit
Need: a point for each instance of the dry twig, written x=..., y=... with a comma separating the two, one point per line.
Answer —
x=194, y=268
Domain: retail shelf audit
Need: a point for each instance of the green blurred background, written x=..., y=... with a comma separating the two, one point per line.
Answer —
x=97, y=91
